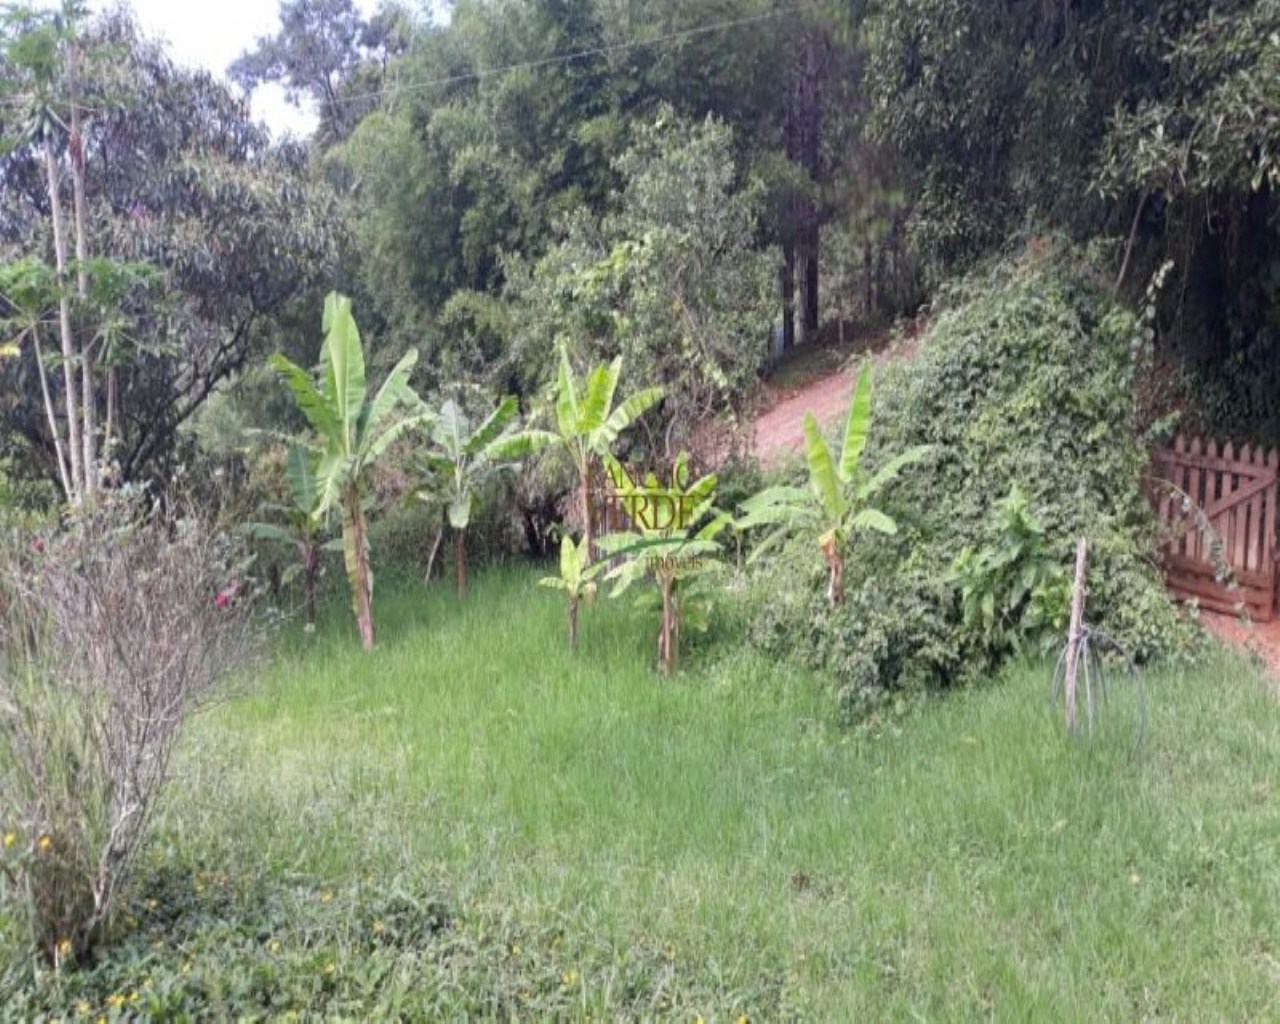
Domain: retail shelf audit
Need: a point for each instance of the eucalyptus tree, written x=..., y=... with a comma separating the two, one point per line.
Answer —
x=353, y=431
x=175, y=175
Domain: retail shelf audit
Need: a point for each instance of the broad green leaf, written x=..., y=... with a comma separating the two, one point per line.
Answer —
x=568, y=559
x=395, y=391
x=890, y=470
x=858, y=425
x=822, y=472
x=874, y=519
x=626, y=414
x=567, y=418
x=318, y=411
x=601, y=385
x=493, y=426
x=333, y=474
x=392, y=434
x=344, y=358
x=449, y=430
x=302, y=478
x=519, y=446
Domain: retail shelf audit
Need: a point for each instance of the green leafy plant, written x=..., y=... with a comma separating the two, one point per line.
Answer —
x=578, y=579
x=837, y=502
x=1013, y=590
x=354, y=430
x=297, y=525
x=588, y=423
x=674, y=546
x=464, y=460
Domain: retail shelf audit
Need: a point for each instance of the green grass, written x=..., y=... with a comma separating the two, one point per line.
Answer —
x=472, y=822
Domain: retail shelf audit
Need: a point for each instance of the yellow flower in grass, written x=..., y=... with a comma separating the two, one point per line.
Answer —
x=330, y=967
x=44, y=844
x=10, y=840
x=274, y=946
x=570, y=978
x=326, y=896
x=64, y=948
x=378, y=927
x=116, y=1001
x=83, y=1008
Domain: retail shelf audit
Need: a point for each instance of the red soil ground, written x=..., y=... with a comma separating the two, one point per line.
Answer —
x=779, y=429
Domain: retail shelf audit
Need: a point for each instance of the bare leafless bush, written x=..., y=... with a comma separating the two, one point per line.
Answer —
x=114, y=629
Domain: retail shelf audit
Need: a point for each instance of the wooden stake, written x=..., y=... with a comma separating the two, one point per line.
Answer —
x=1073, y=637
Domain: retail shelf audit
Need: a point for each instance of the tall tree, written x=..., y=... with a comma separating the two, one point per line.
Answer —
x=326, y=52
x=175, y=175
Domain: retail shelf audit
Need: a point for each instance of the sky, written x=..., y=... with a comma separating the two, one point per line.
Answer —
x=213, y=33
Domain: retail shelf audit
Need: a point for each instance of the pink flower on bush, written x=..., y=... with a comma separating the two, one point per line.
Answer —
x=225, y=596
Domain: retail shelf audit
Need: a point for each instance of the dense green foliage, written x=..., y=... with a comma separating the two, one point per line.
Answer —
x=438, y=836
x=1026, y=383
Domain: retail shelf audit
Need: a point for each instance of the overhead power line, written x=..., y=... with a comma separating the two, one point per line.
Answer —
x=576, y=55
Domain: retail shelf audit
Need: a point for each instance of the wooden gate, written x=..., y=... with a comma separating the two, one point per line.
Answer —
x=1219, y=510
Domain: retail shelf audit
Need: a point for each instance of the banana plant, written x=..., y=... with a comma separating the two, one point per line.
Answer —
x=673, y=544
x=587, y=424
x=463, y=460
x=297, y=525
x=578, y=579
x=353, y=431
x=836, y=504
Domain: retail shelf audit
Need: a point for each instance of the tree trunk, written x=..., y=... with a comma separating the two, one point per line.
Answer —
x=667, y=653
x=573, y=625
x=52, y=413
x=74, y=450
x=869, y=281
x=358, y=571
x=835, y=563
x=1073, y=636
x=584, y=499
x=79, y=207
x=311, y=563
x=788, y=283
x=460, y=560
x=811, y=279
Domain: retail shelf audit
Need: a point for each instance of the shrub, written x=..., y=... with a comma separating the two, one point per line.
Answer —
x=1026, y=383
x=115, y=629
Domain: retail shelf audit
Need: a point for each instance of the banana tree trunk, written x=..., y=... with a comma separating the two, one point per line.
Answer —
x=460, y=560
x=355, y=530
x=573, y=625
x=835, y=563
x=311, y=564
x=667, y=634
x=584, y=499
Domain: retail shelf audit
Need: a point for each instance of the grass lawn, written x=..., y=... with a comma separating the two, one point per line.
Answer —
x=473, y=823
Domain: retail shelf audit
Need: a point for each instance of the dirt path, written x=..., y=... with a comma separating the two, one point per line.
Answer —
x=1260, y=639
x=779, y=430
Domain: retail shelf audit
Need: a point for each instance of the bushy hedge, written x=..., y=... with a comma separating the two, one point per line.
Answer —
x=1026, y=381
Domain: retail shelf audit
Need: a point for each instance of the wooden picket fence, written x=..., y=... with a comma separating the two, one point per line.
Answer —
x=1218, y=508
